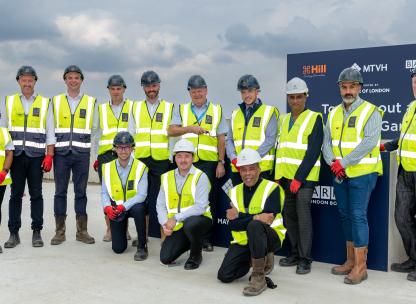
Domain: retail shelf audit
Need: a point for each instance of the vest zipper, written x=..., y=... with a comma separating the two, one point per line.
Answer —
x=71, y=130
x=24, y=131
x=180, y=195
x=151, y=123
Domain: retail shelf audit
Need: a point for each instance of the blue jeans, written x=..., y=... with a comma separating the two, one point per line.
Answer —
x=63, y=165
x=353, y=195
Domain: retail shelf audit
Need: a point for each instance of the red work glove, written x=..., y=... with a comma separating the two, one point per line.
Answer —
x=95, y=165
x=382, y=148
x=234, y=162
x=120, y=208
x=338, y=169
x=2, y=176
x=294, y=186
x=111, y=212
x=47, y=163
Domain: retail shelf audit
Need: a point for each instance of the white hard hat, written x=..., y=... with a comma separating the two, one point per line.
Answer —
x=296, y=86
x=184, y=145
x=248, y=156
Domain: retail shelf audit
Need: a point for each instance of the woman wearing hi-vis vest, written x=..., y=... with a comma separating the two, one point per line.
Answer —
x=6, y=158
x=351, y=147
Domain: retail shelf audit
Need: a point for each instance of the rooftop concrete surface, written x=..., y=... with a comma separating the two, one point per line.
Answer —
x=78, y=273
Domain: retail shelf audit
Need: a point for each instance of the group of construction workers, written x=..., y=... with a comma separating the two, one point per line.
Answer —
x=274, y=161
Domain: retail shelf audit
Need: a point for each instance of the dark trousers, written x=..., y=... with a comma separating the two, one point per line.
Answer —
x=236, y=178
x=63, y=164
x=26, y=168
x=261, y=240
x=103, y=159
x=2, y=190
x=156, y=169
x=297, y=219
x=210, y=169
x=405, y=210
x=188, y=237
x=119, y=228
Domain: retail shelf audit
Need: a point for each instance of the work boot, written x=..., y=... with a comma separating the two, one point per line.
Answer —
x=82, y=233
x=269, y=264
x=289, y=261
x=59, y=237
x=406, y=266
x=13, y=240
x=135, y=242
x=345, y=268
x=412, y=276
x=303, y=267
x=37, y=239
x=141, y=253
x=257, y=282
x=193, y=261
x=359, y=271
x=207, y=246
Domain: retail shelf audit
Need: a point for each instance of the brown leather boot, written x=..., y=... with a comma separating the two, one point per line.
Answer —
x=82, y=233
x=59, y=237
x=359, y=272
x=345, y=268
x=257, y=282
x=269, y=263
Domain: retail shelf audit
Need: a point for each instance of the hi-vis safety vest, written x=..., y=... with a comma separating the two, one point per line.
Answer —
x=253, y=134
x=206, y=145
x=73, y=131
x=117, y=192
x=4, y=140
x=406, y=153
x=111, y=125
x=27, y=131
x=256, y=206
x=177, y=203
x=151, y=133
x=293, y=145
x=346, y=137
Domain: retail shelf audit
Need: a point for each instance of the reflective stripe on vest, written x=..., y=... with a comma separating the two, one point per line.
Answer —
x=253, y=134
x=256, y=206
x=206, y=145
x=27, y=131
x=111, y=125
x=113, y=183
x=293, y=144
x=346, y=137
x=151, y=133
x=406, y=153
x=73, y=131
x=4, y=140
x=176, y=203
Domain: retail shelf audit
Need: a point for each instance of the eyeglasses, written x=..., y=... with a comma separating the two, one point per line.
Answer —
x=123, y=148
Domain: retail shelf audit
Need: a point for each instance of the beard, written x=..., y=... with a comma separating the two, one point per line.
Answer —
x=349, y=99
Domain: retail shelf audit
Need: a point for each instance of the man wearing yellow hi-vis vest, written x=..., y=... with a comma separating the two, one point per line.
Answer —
x=183, y=208
x=297, y=170
x=124, y=190
x=253, y=125
x=110, y=118
x=405, y=207
x=6, y=158
x=256, y=225
x=73, y=116
x=29, y=119
x=203, y=123
x=152, y=118
x=351, y=147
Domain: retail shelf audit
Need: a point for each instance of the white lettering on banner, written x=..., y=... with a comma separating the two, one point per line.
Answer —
x=373, y=91
x=223, y=221
x=327, y=108
x=391, y=108
x=390, y=126
x=375, y=68
x=324, y=195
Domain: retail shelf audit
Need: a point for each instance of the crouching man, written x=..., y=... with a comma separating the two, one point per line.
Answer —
x=256, y=225
x=124, y=190
x=182, y=208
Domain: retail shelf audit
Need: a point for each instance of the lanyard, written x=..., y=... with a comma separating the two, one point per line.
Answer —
x=199, y=118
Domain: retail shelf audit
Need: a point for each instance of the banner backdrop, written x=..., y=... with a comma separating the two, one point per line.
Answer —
x=386, y=72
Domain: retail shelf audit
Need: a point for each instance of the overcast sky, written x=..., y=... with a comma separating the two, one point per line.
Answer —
x=221, y=40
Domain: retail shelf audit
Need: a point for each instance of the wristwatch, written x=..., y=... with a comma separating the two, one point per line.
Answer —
x=221, y=161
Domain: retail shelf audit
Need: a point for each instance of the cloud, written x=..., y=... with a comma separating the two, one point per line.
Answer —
x=88, y=32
